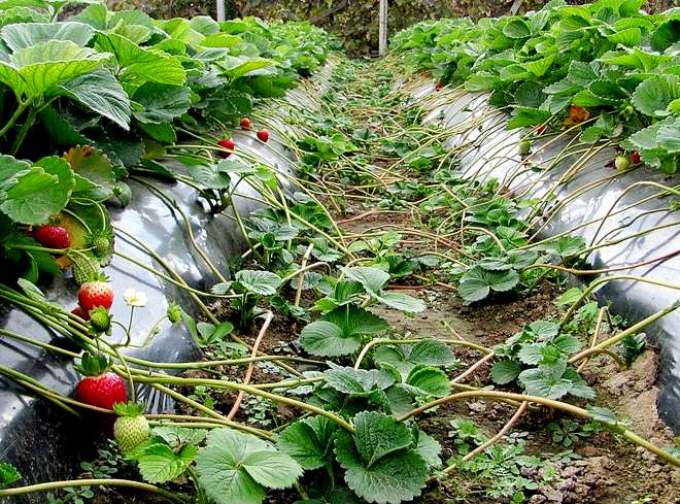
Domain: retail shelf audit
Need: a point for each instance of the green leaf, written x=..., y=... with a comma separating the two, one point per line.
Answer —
x=93, y=165
x=357, y=382
x=526, y=116
x=431, y=352
x=477, y=283
x=544, y=382
x=39, y=193
x=401, y=301
x=162, y=103
x=234, y=467
x=378, y=435
x=158, y=463
x=328, y=340
x=429, y=449
x=372, y=279
x=101, y=92
x=653, y=96
x=178, y=436
x=544, y=329
x=10, y=170
x=630, y=37
x=517, y=29
x=429, y=381
x=396, y=472
x=607, y=417
x=530, y=94
x=340, y=332
x=505, y=371
x=22, y=35
x=309, y=442
x=264, y=283
x=665, y=35
x=34, y=71
x=242, y=67
x=141, y=65
x=541, y=66
x=581, y=73
x=8, y=475
x=164, y=132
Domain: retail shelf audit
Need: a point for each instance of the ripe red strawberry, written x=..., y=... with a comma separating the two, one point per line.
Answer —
x=79, y=312
x=228, y=144
x=94, y=294
x=635, y=157
x=51, y=236
x=103, y=390
x=263, y=135
x=541, y=129
x=99, y=386
x=246, y=124
x=578, y=114
x=439, y=86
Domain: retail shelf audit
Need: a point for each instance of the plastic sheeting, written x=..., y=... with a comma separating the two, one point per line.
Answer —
x=585, y=190
x=45, y=443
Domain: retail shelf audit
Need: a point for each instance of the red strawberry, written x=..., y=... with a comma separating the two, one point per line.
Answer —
x=246, y=124
x=79, y=312
x=541, y=129
x=439, y=86
x=635, y=157
x=55, y=237
x=94, y=294
x=103, y=390
x=263, y=135
x=99, y=386
x=228, y=144
x=578, y=114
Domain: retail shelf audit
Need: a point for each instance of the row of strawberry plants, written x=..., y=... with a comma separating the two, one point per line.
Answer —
x=607, y=66
x=360, y=439
x=118, y=90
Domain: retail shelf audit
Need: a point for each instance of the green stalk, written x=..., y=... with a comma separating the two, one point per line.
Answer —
x=121, y=483
x=223, y=384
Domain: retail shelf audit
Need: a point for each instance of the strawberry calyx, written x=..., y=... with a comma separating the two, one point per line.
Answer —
x=130, y=409
x=93, y=364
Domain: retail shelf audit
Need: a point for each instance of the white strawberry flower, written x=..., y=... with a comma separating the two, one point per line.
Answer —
x=135, y=298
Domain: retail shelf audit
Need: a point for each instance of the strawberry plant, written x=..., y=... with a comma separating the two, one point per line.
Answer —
x=537, y=358
x=573, y=63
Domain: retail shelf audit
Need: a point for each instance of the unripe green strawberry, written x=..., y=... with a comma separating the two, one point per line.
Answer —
x=131, y=428
x=85, y=268
x=524, y=147
x=102, y=246
x=622, y=163
x=174, y=313
x=100, y=319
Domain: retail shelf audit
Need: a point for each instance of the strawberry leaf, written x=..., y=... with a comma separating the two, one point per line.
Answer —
x=236, y=467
